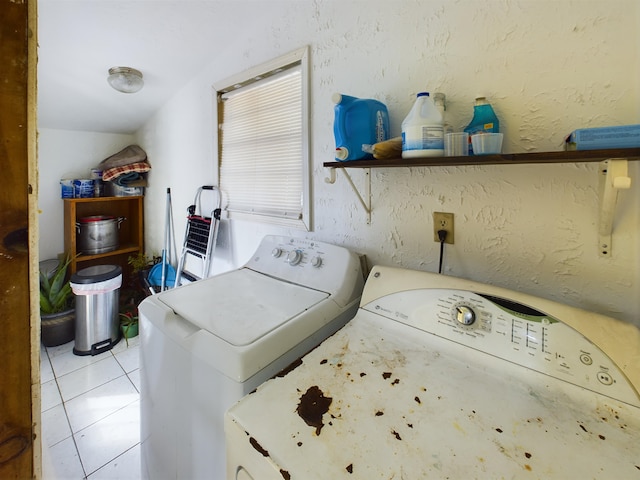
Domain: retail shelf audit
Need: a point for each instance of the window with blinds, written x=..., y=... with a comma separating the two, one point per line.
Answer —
x=263, y=143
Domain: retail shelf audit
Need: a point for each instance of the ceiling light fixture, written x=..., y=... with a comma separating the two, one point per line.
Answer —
x=125, y=79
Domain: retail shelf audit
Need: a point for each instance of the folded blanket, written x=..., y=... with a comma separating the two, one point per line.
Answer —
x=126, y=156
x=116, y=172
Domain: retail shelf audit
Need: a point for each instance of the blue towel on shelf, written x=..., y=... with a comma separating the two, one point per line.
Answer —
x=127, y=178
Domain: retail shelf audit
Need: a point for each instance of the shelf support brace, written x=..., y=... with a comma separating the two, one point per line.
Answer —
x=366, y=201
x=613, y=177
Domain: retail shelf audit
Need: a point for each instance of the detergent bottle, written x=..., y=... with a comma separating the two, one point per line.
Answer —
x=484, y=120
x=358, y=122
x=423, y=129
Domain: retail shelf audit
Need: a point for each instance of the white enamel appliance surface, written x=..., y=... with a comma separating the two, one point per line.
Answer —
x=442, y=378
x=208, y=343
x=259, y=304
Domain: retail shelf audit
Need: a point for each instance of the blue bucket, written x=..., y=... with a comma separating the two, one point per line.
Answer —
x=155, y=275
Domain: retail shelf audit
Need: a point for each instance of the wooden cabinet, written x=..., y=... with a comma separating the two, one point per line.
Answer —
x=130, y=235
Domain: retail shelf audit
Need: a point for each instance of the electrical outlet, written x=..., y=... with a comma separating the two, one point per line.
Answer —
x=443, y=221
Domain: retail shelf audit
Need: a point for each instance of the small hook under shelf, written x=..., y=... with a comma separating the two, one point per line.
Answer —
x=613, y=177
x=366, y=205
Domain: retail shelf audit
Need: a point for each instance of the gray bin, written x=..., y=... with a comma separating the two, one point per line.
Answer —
x=97, y=291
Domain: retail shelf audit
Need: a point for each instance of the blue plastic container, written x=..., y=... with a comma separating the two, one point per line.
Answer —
x=484, y=120
x=358, y=122
x=83, y=188
x=66, y=188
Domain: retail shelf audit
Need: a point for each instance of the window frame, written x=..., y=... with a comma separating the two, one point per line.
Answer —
x=299, y=57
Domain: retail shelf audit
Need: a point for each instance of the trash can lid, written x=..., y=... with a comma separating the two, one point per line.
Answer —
x=96, y=274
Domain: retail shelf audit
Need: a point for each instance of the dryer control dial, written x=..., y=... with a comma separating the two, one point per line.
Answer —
x=276, y=252
x=464, y=315
x=294, y=257
x=316, y=262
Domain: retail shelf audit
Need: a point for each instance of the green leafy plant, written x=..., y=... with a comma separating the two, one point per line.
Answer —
x=128, y=325
x=55, y=294
x=140, y=261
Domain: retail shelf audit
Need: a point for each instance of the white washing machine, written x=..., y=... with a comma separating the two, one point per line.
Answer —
x=207, y=344
x=438, y=377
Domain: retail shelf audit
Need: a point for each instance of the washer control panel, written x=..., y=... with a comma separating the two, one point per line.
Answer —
x=322, y=266
x=294, y=252
x=511, y=331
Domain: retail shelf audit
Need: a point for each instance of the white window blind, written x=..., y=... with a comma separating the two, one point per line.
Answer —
x=263, y=146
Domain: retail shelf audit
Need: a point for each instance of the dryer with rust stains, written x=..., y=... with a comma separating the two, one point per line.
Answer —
x=439, y=377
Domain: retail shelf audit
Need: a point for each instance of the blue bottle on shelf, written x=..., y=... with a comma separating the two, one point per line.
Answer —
x=484, y=120
x=358, y=122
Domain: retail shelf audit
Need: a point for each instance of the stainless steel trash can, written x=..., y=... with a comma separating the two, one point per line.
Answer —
x=97, y=291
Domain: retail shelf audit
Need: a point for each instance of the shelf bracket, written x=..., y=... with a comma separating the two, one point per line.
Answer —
x=366, y=201
x=613, y=177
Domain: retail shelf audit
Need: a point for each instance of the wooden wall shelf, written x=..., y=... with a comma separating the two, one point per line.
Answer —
x=502, y=159
x=612, y=172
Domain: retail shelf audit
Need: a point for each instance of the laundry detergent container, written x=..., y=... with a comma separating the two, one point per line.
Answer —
x=97, y=291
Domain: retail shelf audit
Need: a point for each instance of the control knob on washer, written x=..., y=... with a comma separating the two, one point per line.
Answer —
x=276, y=252
x=294, y=257
x=465, y=315
x=316, y=262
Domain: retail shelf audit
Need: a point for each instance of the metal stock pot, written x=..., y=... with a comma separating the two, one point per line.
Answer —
x=98, y=233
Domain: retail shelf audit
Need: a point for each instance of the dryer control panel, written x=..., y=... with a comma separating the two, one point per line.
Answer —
x=511, y=331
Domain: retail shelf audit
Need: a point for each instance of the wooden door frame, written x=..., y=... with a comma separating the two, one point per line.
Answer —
x=20, y=429
x=34, y=234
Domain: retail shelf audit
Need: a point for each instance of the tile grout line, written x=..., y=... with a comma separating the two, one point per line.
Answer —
x=64, y=406
x=88, y=366
x=110, y=461
x=66, y=414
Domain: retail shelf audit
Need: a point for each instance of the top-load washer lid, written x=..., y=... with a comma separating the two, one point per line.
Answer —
x=240, y=306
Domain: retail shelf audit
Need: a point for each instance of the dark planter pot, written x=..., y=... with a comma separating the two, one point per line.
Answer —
x=58, y=328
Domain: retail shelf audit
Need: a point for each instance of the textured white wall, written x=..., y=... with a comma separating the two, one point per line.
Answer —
x=548, y=67
x=66, y=154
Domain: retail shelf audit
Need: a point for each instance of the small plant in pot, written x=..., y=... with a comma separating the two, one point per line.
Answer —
x=57, y=307
x=129, y=325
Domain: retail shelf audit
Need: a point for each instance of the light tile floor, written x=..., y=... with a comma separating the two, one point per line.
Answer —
x=91, y=413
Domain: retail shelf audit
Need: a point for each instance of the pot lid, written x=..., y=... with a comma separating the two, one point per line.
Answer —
x=95, y=218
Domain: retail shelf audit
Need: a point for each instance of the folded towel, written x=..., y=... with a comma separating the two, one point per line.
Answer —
x=126, y=179
x=116, y=172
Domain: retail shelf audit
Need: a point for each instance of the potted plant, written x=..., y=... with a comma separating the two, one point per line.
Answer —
x=129, y=325
x=140, y=267
x=57, y=307
x=140, y=262
x=134, y=290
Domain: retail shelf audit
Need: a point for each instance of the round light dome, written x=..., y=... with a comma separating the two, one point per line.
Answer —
x=125, y=79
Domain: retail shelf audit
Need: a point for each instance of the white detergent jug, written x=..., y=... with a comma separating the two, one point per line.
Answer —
x=423, y=129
